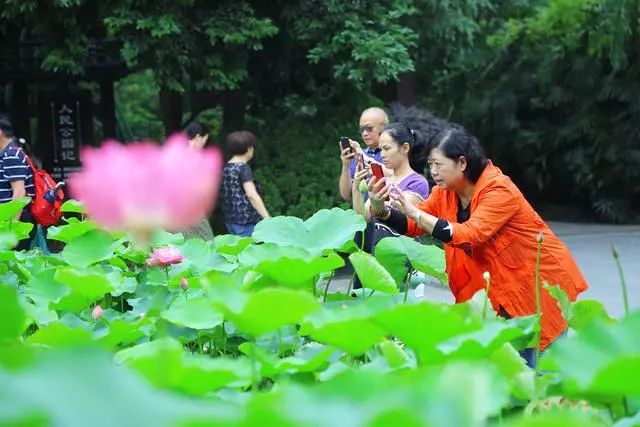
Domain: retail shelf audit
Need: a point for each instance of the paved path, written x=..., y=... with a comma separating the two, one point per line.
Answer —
x=590, y=244
x=591, y=247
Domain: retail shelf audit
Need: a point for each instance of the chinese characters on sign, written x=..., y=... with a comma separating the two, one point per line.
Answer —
x=67, y=137
x=65, y=125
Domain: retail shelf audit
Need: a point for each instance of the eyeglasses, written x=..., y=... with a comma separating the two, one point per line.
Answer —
x=368, y=128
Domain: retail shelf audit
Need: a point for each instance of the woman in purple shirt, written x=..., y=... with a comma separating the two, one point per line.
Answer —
x=403, y=153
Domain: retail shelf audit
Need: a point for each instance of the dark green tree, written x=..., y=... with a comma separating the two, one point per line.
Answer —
x=550, y=88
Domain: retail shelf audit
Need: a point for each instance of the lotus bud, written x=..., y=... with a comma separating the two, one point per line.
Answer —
x=97, y=312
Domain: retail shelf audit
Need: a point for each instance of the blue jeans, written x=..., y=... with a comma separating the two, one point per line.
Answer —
x=529, y=356
x=244, y=230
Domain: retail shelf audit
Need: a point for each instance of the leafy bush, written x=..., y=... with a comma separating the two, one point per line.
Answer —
x=298, y=160
x=299, y=178
x=138, y=111
x=547, y=87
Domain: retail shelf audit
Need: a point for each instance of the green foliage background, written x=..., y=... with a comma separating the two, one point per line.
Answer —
x=549, y=86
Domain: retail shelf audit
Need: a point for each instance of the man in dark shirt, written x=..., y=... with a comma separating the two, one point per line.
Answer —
x=16, y=176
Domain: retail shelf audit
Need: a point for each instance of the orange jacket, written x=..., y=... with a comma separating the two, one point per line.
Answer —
x=501, y=238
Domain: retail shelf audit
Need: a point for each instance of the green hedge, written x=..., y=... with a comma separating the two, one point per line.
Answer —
x=298, y=168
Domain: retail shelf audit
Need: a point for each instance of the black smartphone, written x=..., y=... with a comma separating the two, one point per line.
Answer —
x=344, y=143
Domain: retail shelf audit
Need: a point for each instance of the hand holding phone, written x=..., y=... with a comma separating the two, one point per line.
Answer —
x=376, y=169
x=378, y=173
x=345, y=143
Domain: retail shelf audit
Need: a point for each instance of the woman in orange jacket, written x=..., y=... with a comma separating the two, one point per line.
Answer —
x=486, y=225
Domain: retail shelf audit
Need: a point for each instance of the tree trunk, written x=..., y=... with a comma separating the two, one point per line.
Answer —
x=171, y=110
x=108, y=113
x=406, y=89
x=20, y=109
x=235, y=105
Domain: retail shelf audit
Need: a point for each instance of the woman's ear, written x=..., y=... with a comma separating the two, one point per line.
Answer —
x=462, y=161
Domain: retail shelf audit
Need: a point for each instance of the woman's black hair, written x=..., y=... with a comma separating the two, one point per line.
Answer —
x=194, y=129
x=455, y=142
x=403, y=134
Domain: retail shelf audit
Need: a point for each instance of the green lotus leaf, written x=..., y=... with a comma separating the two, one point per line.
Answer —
x=325, y=230
x=396, y=253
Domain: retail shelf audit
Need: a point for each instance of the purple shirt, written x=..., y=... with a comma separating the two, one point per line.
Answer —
x=415, y=183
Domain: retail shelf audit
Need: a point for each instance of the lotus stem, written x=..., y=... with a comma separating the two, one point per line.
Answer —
x=224, y=342
x=538, y=305
x=254, y=379
x=353, y=276
x=623, y=282
x=406, y=285
x=487, y=280
x=326, y=288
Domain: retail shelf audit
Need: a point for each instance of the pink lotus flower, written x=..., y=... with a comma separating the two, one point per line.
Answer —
x=141, y=187
x=164, y=257
x=97, y=312
x=184, y=284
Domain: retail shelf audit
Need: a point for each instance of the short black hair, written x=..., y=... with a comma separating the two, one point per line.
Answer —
x=455, y=142
x=6, y=126
x=194, y=129
x=238, y=143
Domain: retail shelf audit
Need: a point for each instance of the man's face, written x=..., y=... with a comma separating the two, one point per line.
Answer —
x=371, y=125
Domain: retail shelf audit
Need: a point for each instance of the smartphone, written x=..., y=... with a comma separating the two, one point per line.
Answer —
x=344, y=142
x=377, y=171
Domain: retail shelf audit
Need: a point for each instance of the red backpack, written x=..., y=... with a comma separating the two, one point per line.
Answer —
x=46, y=204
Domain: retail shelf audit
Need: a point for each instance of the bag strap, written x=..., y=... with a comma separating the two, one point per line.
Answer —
x=34, y=171
x=28, y=159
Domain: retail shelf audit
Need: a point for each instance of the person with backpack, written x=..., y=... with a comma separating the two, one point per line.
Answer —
x=16, y=177
x=19, y=177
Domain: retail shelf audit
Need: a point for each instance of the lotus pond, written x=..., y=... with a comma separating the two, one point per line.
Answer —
x=250, y=332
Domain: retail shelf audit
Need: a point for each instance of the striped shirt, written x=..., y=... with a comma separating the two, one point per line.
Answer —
x=14, y=167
